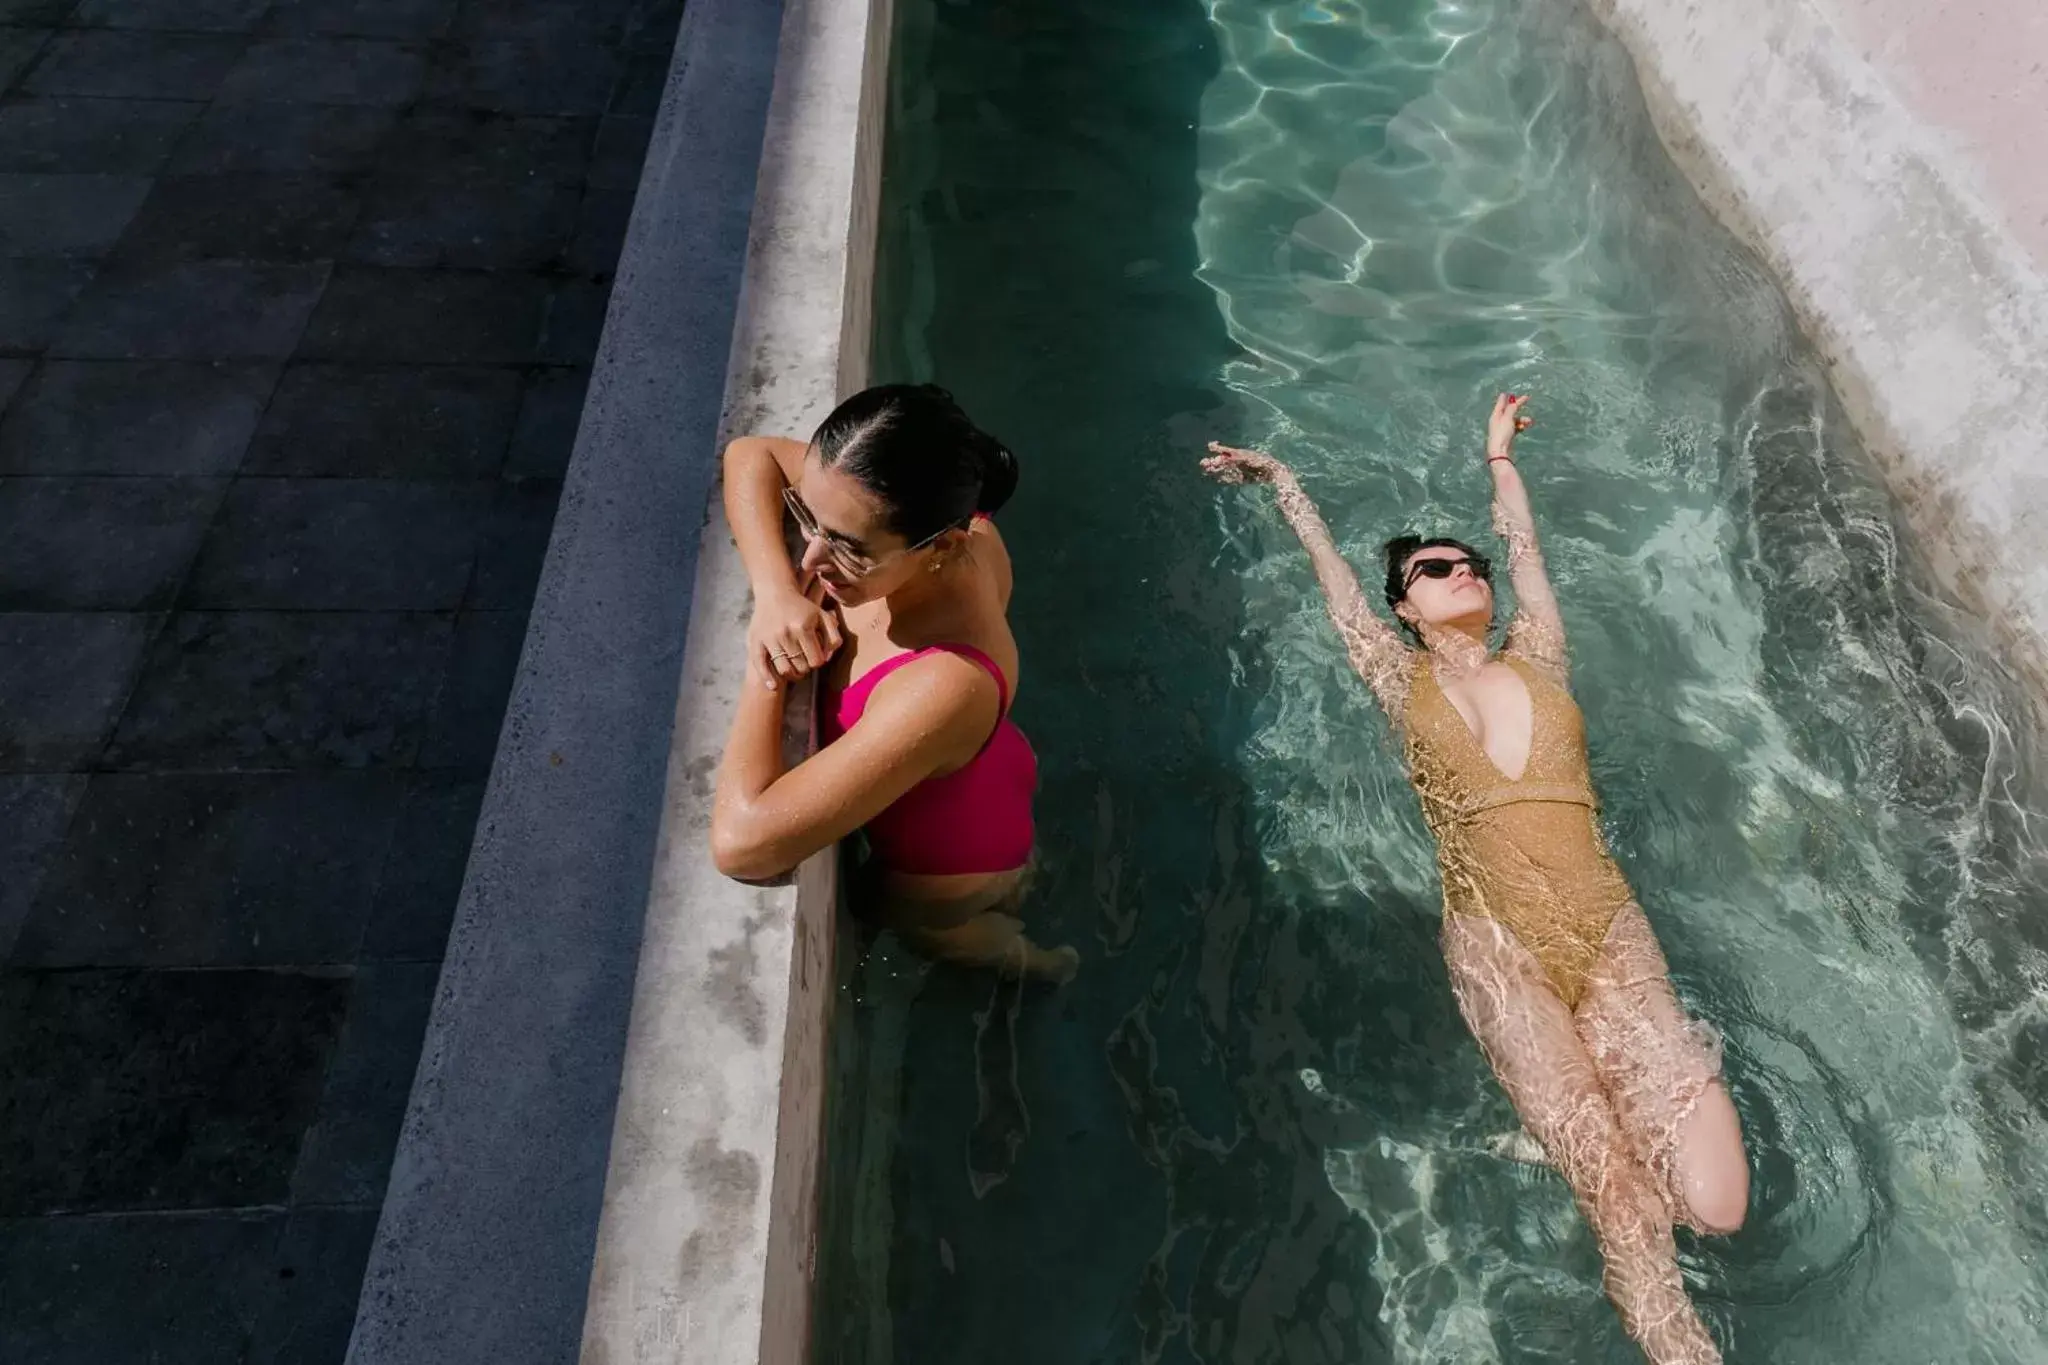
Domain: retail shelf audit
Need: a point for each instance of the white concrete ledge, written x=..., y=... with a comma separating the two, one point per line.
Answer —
x=490, y=1222
x=1876, y=154
x=708, y=1244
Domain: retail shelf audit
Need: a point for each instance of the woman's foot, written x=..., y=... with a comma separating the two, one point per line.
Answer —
x=1518, y=1146
x=1054, y=966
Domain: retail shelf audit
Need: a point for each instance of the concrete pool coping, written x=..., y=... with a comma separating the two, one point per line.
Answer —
x=611, y=1147
x=707, y=1251
x=1846, y=142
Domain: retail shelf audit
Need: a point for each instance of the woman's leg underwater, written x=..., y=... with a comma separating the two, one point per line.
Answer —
x=993, y=939
x=1529, y=1038
x=1662, y=1072
x=981, y=931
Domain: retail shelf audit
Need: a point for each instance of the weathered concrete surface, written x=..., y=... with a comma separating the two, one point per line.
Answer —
x=707, y=1249
x=1977, y=75
x=1883, y=157
x=484, y=1249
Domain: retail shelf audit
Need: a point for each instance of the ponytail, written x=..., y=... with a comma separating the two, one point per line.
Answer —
x=998, y=474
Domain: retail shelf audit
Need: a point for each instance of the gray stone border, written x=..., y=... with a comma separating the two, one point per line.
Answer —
x=1931, y=314
x=491, y=1220
x=708, y=1245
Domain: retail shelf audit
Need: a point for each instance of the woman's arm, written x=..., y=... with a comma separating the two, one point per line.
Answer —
x=1537, y=633
x=790, y=635
x=927, y=717
x=1376, y=652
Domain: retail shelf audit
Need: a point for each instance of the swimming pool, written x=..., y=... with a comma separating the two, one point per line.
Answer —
x=1253, y=1130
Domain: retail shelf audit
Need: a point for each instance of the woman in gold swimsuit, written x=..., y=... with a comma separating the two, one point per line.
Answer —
x=1555, y=967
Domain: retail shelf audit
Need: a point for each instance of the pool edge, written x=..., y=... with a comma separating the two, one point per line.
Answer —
x=707, y=1248
x=551, y=1194
x=1887, y=234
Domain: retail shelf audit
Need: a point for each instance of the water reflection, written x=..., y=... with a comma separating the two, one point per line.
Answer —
x=1118, y=228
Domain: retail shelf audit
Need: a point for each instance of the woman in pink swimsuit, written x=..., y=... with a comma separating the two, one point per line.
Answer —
x=898, y=602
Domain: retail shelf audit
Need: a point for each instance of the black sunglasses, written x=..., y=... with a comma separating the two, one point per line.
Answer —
x=1481, y=567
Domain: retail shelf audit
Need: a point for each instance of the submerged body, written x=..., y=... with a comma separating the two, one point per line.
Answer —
x=1556, y=970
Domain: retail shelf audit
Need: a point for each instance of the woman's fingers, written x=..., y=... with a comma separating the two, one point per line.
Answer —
x=1234, y=466
x=1228, y=464
x=1222, y=451
x=794, y=653
x=1507, y=413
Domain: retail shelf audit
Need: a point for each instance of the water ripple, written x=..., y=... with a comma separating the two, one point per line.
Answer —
x=1818, y=793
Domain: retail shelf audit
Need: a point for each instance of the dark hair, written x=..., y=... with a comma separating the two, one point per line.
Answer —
x=912, y=447
x=1399, y=551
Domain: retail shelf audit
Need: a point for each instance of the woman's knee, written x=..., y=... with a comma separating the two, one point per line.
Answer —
x=996, y=940
x=1717, y=1207
x=1714, y=1169
x=983, y=941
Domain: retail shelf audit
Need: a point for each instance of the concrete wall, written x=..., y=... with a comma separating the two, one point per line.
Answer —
x=613, y=1144
x=707, y=1248
x=491, y=1218
x=1884, y=156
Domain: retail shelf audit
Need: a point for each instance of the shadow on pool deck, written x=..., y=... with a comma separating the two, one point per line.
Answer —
x=297, y=303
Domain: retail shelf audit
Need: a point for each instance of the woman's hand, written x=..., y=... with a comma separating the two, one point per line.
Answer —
x=1228, y=464
x=1506, y=421
x=790, y=636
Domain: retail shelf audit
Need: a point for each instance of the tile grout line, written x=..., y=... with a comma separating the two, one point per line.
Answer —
x=28, y=68
x=215, y=521
x=327, y=1065
x=206, y=1211
x=184, y=577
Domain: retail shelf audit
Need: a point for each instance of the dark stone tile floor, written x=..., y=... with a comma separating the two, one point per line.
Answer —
x=298, y=299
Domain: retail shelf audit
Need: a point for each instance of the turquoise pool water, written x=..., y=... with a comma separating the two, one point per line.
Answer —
x=1253, y=1130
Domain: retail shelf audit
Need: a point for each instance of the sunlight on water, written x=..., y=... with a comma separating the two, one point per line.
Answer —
x=1254, y=1130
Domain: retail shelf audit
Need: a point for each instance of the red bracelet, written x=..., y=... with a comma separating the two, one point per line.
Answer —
x=1496, y=459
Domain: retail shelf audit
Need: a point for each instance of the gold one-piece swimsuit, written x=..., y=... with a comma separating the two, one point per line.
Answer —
x=1524, y=852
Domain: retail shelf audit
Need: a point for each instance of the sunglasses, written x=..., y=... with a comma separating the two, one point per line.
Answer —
x=1481, y=567
x=853, y=563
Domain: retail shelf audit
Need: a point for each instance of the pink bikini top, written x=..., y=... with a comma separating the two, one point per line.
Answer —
x=974, y=819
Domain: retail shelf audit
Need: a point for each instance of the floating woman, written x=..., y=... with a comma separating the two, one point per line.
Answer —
x=1555, y=968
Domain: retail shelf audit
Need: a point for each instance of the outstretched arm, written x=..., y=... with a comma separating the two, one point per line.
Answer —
x=1376, y=652
x=1537, y=633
